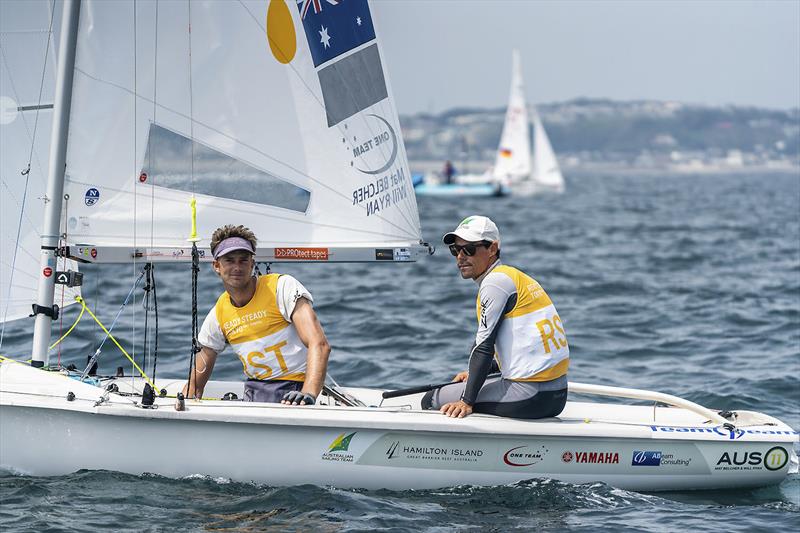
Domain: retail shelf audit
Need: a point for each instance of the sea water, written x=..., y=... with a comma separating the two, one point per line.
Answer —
x=688, y=285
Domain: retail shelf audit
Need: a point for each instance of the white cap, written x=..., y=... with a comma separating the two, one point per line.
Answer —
x=473, y=229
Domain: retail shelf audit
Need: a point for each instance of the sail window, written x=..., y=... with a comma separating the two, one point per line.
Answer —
x=176, y=162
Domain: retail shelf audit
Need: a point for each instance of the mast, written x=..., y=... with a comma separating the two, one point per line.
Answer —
x=43, y=309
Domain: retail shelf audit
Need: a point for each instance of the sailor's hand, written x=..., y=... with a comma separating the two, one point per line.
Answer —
x=298, y=398
x=457, y=409
x=461, y=376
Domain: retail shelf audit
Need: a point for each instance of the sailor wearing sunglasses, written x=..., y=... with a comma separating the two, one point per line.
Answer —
x=519, y=334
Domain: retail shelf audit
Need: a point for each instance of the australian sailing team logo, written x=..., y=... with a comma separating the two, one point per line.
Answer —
x=339, y=450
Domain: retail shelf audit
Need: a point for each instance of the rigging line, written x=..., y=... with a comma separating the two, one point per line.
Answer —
x=322, y=106
x=146, y=305
x=26, y=173
x=241, y=143
x=110, y=336
x=64, y=336
x=136, y=181
x=41, y=85
x=155, y=312
x=151, y=146
x=195, y=348
x=21, y=32
x=62, y=239
x=191, y=99
x=114, y=322
x=195, y=255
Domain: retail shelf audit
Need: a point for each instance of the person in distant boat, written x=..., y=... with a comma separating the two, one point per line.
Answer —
x=519, y=334
x=448, y=171
x=268, y=321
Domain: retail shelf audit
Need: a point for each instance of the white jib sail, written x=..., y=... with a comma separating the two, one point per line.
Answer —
x=27, y=84
x=276, y=115
x=513, y=161
x=546, y=171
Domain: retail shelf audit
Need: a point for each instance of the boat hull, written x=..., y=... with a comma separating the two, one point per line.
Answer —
x=459, y=189
x=54, y=442
x=53, y=425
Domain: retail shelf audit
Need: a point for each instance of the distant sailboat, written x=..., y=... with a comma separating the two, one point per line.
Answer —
x=520, y=168
x=525, y=170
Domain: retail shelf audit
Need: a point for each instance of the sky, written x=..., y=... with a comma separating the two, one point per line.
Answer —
x=452, y=53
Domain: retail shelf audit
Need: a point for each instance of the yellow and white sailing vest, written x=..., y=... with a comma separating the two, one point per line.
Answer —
x=531, y=344
x=265, y=342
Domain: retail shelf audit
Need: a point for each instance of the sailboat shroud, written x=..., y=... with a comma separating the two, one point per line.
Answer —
x=344, y=153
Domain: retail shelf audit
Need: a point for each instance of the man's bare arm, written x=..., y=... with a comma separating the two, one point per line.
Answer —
x=313, y=337
x=201, y=373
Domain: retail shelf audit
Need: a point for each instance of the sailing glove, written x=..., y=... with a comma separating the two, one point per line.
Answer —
x=299, y=398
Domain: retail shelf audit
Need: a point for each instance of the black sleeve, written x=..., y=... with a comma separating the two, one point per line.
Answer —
x=481, y=360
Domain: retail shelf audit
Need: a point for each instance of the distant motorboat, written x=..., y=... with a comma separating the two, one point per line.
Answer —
x=461, y=189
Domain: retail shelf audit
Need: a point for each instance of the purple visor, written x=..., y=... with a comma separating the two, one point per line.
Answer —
x=231, y=244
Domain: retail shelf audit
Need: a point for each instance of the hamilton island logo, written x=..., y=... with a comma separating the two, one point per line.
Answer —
x=339, y=449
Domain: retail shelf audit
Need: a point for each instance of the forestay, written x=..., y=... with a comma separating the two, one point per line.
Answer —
x=276, y=115
x=27, y=82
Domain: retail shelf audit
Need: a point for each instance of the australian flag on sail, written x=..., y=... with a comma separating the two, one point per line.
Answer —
x=349, y=84
x=334, y=27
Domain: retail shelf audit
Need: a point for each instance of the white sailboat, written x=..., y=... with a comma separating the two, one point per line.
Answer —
x=525, y=170
x=271, y=97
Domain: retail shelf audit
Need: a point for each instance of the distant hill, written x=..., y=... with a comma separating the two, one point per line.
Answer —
x=639, y=133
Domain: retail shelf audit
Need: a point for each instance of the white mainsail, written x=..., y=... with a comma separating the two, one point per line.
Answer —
x=27, y=83
x=302, y=100
x=513, y=160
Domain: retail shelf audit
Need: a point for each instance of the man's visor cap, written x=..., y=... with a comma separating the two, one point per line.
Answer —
x=232, y=244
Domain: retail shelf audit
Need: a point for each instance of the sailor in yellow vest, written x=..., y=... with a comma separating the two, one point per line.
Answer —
x=268, y=321
x=519, y=334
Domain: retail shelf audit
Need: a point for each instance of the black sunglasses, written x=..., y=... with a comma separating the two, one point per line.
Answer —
x=469, y=249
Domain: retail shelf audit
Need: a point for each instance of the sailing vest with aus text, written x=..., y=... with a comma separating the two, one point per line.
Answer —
x=267, y=345
x=531, y=344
